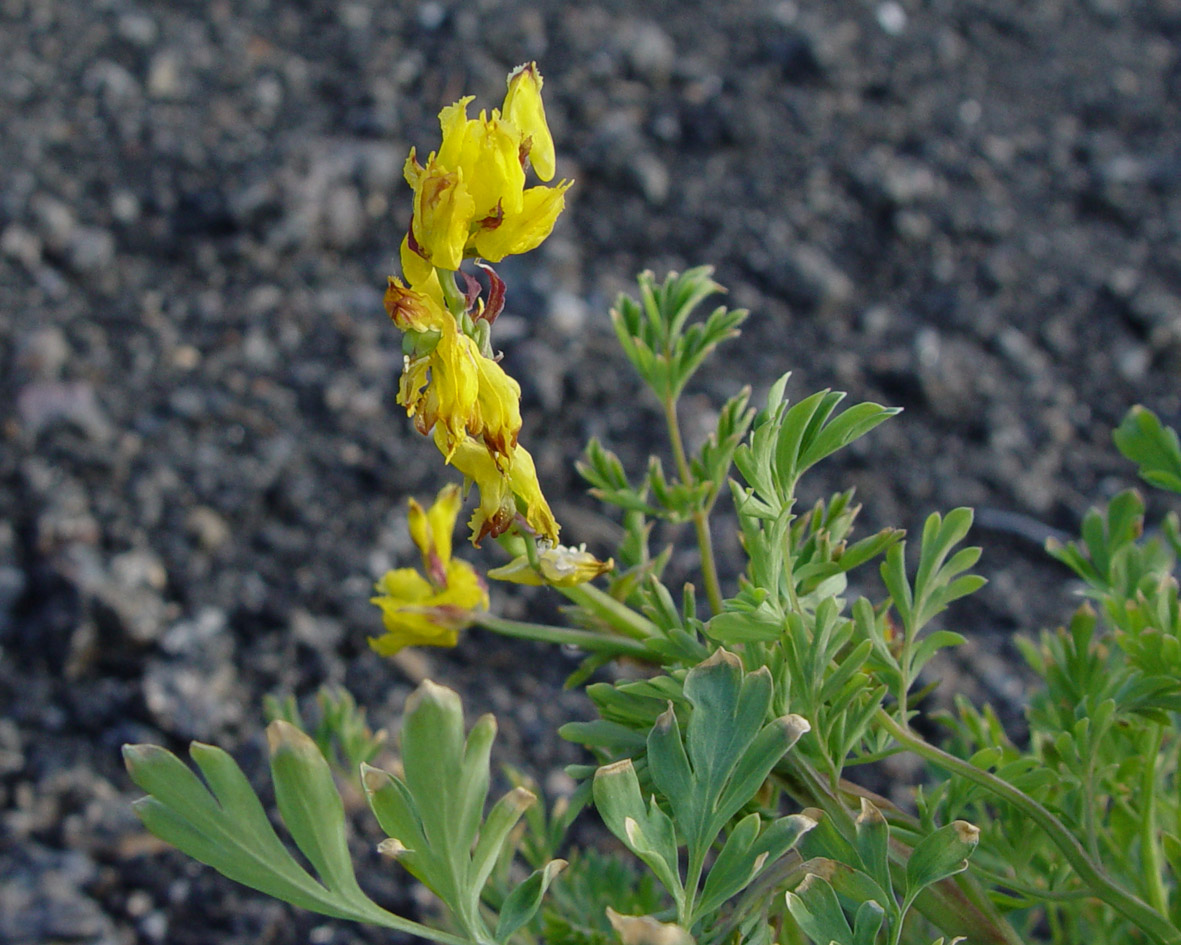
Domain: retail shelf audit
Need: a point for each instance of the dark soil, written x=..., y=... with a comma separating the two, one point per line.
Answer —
x=969, y=209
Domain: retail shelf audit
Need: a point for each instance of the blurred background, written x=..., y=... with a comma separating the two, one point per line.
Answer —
x=967, y=208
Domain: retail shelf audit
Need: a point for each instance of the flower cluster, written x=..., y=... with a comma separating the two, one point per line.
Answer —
x=429, y=609
x=471, y=200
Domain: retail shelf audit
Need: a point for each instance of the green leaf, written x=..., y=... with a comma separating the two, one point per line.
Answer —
x=873, y=843
x=746, y=853
x=495, y=832
x=1144, y=440
x=669, y=765
x=815, y=907
x=939, y=855
x=734, y=867
x=523, y=902
x=648, y=833
x=866, y=923
x=225, y=827
x=310, y=805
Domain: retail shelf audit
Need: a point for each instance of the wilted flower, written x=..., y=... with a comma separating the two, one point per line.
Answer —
x=558, y=566
x=501, y=489
x=429, y=610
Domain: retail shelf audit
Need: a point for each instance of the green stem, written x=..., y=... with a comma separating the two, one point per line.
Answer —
x=1131, y=907
x=616, y=614
x=709, y=569
x=1150, y=848
x=456, y=301
x=585, y=639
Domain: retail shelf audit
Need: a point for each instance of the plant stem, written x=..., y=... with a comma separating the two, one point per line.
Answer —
x=585, y=639
x=615, y=613
x=709, y=570
x=1149, y=921
x=1150, y=848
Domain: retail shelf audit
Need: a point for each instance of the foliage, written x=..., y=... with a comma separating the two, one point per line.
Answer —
x=726, y=769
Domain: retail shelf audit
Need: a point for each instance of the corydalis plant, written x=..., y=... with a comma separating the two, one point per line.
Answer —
x=726, y=769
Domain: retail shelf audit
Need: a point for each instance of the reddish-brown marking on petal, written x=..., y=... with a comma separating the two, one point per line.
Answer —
x=436, y=572
x=415, y=246
x=496, y=290
x=493, y=220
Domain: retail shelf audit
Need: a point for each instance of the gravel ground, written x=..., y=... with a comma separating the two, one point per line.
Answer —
x=969, y=208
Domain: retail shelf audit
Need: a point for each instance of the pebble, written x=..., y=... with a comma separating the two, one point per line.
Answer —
x=650, y=51
x=43, y=898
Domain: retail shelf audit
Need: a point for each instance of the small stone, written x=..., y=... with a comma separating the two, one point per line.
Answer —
x=56, y=223
x=891, y=18
x=164, y=76
x=567, y=313
x=125, y=207
x=138, y=29
x=91, y=250
x=650, y=51
x=210, y=530
x=21, y=244
x=44, y=403
x=653, y=178
x=43, y=353
x=431, y=16
x=344, y=217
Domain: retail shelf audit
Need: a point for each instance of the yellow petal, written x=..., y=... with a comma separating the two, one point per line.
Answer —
x=524, y=108
x=568, y=567
x=521, y=232
x=421, y=275
x=404, y=585
x=420, y=532
x=496, y=508
x=499, y=402
x=523, y=480
x=442, y=516
x=415, y=614
x=457, y=129
x=443, y=211
x=493, y=170
x=455, y=383
x=412, y=310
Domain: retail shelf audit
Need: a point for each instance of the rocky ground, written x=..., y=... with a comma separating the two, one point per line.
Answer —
x=969, y=208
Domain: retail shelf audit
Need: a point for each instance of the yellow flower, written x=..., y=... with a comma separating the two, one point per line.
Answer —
x=430, y=610
x=523, y=107
x=451, y=382
x=558, y=566
x=499, y=402
x=443, y=211
x=500, y=490
x=524, y=231
x=443, y=387
x=470, y=197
